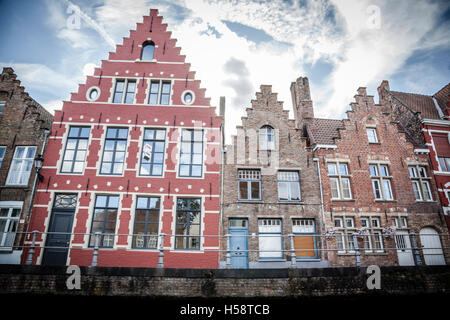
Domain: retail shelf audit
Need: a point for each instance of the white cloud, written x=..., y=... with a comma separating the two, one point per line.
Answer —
x=334, y=31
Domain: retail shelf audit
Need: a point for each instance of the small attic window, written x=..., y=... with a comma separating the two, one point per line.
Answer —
x=148, y=51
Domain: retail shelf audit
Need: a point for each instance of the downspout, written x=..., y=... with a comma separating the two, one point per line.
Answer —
x=36, y=176
x=322, y=210
x=222, y=157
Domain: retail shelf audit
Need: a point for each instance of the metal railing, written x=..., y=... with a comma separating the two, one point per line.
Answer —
x=29, y=241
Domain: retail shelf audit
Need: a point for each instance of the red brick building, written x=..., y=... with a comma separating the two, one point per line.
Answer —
x=428, y=119
x=379, y=195
x=24, y=127
x=134, y=154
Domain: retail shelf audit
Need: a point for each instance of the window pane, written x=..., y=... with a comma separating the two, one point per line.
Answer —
x=184, y=170
x=332, y=168
x=255, y=190
x=74, y=131
x=243, y=190
x=295, y=191
x=283, y=191
x=412, y=172
x=166, y=87
x=376, y=189
x=343, y=169
x=426, y=191
x=148, y=51
x=334, y=188
x=384, y=171
x=346, y=194
x=387, y=190
x=416, y=190
x=373, y=170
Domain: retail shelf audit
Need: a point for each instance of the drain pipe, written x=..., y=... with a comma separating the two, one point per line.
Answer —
x=36, y=176
x=322, y=210
x=222, y=162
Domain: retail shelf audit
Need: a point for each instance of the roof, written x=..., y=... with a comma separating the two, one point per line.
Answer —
x=443, y=97
x=419, y=103
x=324, y=130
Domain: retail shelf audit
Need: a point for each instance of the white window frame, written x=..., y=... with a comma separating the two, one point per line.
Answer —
x=420, y=183
x=382, y=180
x=265, y=132
x=270, y=236
x=125, y=90
x=21, y=172
x=288, y=182
x=339, y=177
x=373, y=226
x=372, y=136
x=160, y=93
x=344, y=234
x=10, y=205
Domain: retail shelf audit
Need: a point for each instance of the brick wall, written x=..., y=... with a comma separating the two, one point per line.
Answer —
x=290, y=154
x=393, y=149
x=22, y=123
x=190, y=283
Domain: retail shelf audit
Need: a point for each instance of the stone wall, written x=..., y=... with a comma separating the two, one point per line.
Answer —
x=190, y=283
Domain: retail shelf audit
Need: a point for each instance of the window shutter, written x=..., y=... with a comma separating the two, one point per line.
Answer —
x=442, y=145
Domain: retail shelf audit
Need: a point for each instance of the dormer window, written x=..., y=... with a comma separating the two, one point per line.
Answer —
x=266, y=138
x=148, y=51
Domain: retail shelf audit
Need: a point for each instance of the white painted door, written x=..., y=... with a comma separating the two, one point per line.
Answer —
x=404, y=250
x=431, y=246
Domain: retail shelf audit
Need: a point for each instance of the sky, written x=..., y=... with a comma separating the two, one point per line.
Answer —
x=234, y=46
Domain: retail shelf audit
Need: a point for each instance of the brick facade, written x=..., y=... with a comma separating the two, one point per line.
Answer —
x=392, y=154
x=289, y=153
x=142, y=109
x=427, y=120
x=23, y=123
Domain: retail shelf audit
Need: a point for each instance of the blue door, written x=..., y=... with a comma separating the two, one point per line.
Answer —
x=239, y=243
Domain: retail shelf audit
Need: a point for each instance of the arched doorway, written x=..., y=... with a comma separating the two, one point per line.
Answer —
x=431, y=246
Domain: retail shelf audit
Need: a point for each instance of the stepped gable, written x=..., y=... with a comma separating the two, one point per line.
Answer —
x=363, y=111
x=125, y=62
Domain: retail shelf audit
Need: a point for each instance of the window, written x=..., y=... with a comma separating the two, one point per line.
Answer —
x=9, y=219
x=304, y=239
x=345, y=228
x=372, y=135
x=148, y=51
x=444, y=164
x=20, y=169
x=146, y=223
x=187, y=233
x=381, y=182
x=76, y=149
x=93, y=93
x=420, y=183
x=104, y=220
x=114, y=151
x=373, y=239
x=401, y=222
x=152, y=157
x=188, y=97
x=124, y=91
x=159, y=92
x=2, y=106
x=266, y=138
x=2, y=154
x=339, y=181
x=249, y=184
x=270, y=239
x=191, y=155
x=288, y=186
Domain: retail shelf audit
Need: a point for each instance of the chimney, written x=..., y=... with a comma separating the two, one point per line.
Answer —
x=381, y=93
x=301, y=101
